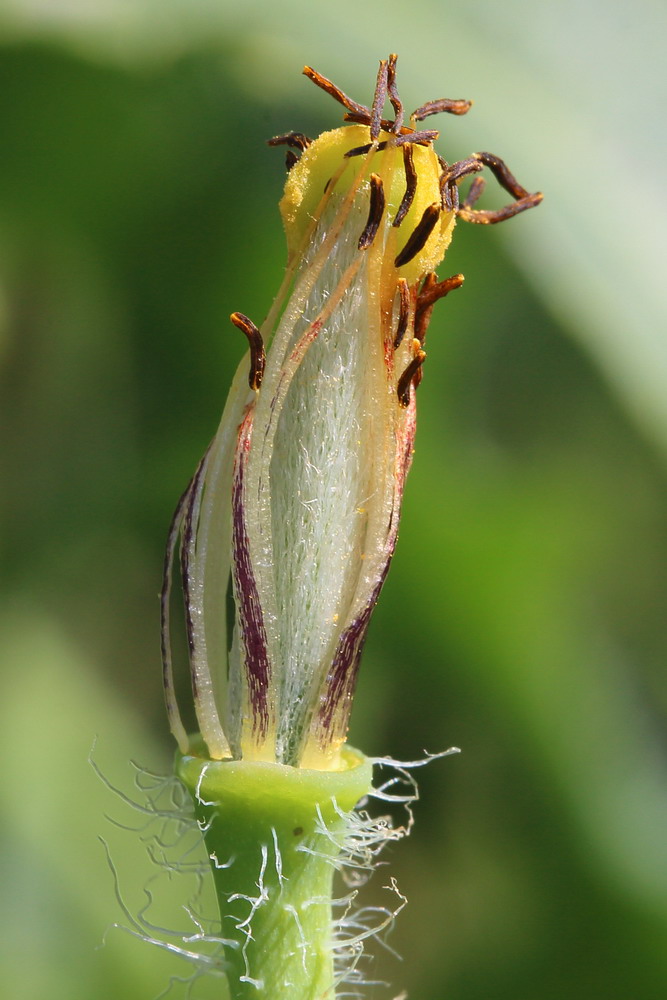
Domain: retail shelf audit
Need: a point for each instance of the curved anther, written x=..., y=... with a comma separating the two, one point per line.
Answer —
x=403, y=311
x=523, y=199
x=445, y=105
x=419, y=235
x=474, y=192
x=396, y=102
x=374, y=213
x=430, y=292
x=410, y=185
x=450, y=177
x=335, y=92
x=379, y=97
x=297, y=140
x=257, y=355
x=387, y=126
x=410, y=373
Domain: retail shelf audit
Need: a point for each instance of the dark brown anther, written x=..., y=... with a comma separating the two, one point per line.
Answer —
x=297, y=140
x=387, y=126
x=396, y=102
x=507, y=180
x=445, y=196
x=449, y=194
x=476, y=189
x=486, y=217
x=257, y=356
x=410, y=185
x=423, y=138
x=432, y=289
x=337, y=93
x=374, y=213
x=438, y=107
x=419, y=234
x=403, y=311
x=412, y=138
x=361, y=150
x=406, y=379
x=451, y=176
x=471, y=165
x=502, y=174
x=379, y=97
x=429, y=293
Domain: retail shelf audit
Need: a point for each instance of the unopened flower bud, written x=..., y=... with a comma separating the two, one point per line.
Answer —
x=297, y=500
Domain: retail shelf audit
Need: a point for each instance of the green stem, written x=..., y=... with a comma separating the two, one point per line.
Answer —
x=265, y=824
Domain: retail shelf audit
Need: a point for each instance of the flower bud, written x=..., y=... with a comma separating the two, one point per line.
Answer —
x=297, y=500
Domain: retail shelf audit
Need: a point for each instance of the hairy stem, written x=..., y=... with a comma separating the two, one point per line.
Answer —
x=273, y=834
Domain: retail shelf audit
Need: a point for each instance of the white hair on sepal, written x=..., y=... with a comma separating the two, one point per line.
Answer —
x=321, y=481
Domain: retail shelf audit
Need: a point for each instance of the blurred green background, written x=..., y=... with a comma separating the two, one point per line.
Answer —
x=524, y=616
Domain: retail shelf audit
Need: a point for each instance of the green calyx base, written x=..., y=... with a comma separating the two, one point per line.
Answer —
x=277, y=830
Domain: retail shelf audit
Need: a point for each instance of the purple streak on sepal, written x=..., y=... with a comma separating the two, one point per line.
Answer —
x=342, y=678
x=249, y=610
x=336, y=702
x=192, y=497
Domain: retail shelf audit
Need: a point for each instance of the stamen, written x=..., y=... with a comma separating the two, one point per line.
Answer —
x=365, y=119
x=476, y=189
x=487, y=217
x=419, y=235
x=257, y=355
x=507, y=180
x=375, y=212
x=295, y=139
x=405, y=381
x=424, y=138
x=403, y=312
x=450, y=195
x=396, y=102
x=500, y=170
x=432, y=289
x=429, y=293
x=379, y=97
x=410, y=185
x=366, y=148
x=471, y=165
x=446, y=105
x=336, y=93
x=450, y=177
